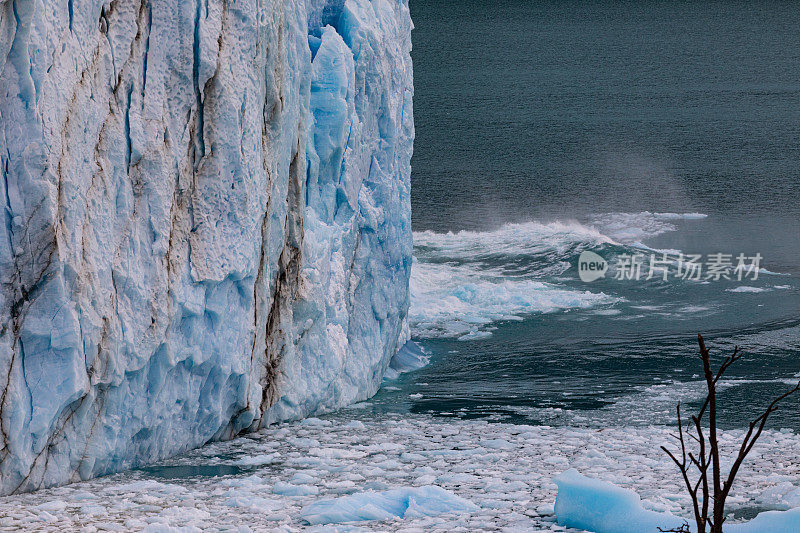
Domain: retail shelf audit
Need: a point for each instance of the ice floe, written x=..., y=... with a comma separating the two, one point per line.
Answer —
x=505, y=470
x=601, y=507
x=404, y=502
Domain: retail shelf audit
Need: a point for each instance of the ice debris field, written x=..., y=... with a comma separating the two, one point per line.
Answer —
x=414, y=473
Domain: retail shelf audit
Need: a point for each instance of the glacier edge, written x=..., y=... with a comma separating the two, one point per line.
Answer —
x=206, y=222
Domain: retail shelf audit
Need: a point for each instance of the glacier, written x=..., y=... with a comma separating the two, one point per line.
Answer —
x=206, y=224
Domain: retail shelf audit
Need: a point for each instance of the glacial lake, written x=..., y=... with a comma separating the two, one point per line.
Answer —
x=649, y=134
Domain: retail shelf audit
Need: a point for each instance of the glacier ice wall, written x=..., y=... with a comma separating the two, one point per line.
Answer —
x=206, y=222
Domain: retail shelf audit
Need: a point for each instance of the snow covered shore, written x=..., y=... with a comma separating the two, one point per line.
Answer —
x=264, y=480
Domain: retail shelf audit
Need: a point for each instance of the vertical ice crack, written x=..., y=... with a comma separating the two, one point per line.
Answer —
x=104, y=25
x=9, y=212
x=25, y=377
x=128, y=141
x=200, y=148
x=146, y=49
x=286, y=284
x=19, y=54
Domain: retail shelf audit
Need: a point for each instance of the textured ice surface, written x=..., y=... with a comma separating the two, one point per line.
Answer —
x=601, y=507
x=593, y=505
x=406, y=502
x=506, y=470
x=206, y=221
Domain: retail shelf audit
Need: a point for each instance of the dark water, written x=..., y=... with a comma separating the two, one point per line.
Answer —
x=529, y=109
x=594, y=114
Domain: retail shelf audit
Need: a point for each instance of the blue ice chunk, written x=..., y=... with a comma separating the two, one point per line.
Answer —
x=406, y=502
x=409, y=358
x=290, y=489
x=774, y=521
x=600, y=507
x=594, y=505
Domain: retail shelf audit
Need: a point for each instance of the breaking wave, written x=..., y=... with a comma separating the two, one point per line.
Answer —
x=464, y=282
x=633, y=228
x=459, y=301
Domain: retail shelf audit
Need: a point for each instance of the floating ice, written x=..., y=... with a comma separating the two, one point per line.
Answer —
x=600, y=507
x=511, y=485
x=784, y=495
x=497, y=444
x=396, y=503
x=772, y=521
x=594, y=505
x=291, y=489
x=256, y=460
x=410, y=357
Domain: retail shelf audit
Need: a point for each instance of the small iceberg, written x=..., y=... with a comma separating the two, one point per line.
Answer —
x=409, y=358
x=600, y=507
x=406, y=502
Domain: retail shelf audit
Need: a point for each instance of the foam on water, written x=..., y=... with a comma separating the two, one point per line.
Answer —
x=747, y=289
x=511, y=240
x=463, y=282
x=636, y=227
x=462, y=301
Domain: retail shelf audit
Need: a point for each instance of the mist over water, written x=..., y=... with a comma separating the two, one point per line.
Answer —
x=651, y=133
x=535, y=110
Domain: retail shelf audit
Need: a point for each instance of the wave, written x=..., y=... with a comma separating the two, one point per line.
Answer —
x=635, y=227
x=458, y=301
x=511, y=240
x=463, y=282
x=410, y=357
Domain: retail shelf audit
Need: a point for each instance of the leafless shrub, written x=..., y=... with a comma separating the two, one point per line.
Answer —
x=709, y=489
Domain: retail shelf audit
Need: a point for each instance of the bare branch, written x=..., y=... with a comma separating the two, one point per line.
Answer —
x=728, y=362
x=684, y=470
x=682, y=529
x=713, y=492
x=750, y=439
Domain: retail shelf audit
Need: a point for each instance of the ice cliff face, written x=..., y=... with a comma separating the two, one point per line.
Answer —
x=206, y=222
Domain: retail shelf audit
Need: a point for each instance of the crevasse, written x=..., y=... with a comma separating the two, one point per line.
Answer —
x=206, y=222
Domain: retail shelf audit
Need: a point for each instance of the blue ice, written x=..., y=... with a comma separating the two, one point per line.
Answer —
x=600, y=507
x=406, y=502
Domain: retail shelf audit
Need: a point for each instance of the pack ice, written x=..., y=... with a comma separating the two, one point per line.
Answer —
x=205, y=224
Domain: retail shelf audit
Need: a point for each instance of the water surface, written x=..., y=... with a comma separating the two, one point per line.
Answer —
x=548, y=128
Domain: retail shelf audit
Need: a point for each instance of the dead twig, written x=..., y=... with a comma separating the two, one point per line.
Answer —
x=703, y=489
